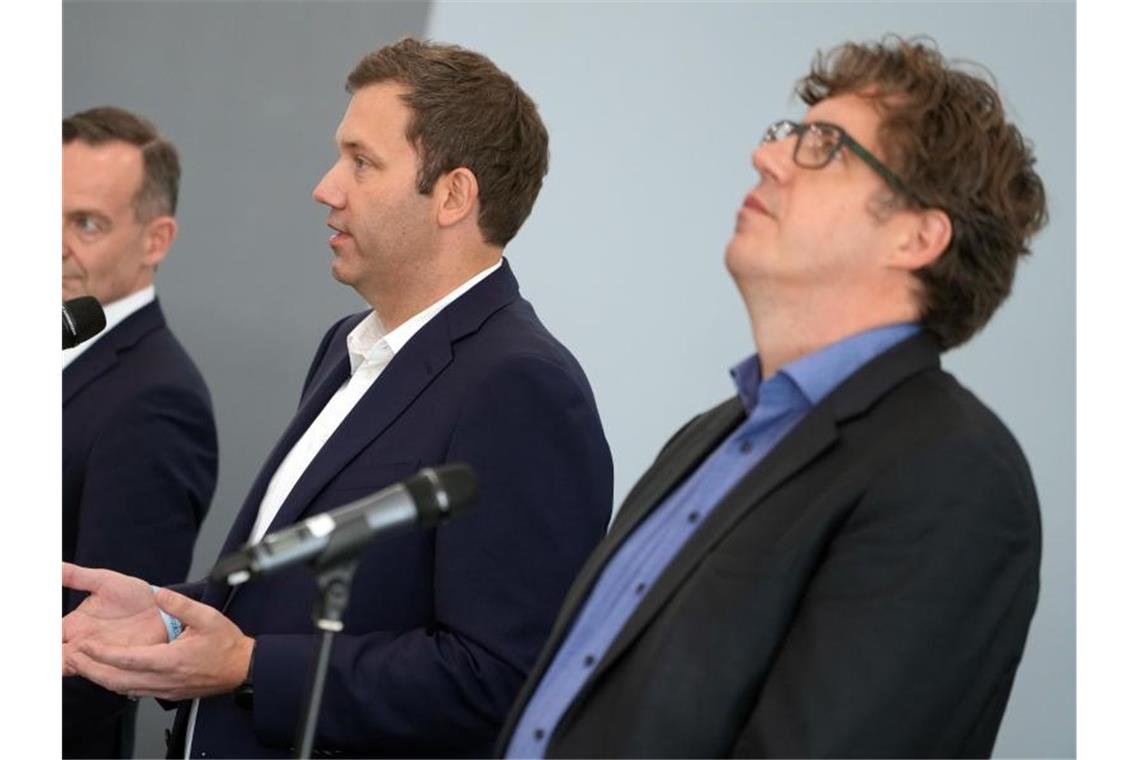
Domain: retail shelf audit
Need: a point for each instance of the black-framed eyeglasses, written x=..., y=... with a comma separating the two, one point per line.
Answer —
x=818, y=142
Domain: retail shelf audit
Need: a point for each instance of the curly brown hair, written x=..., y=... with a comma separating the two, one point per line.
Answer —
x=158, y=193
x=945, y=133
x=467, y=112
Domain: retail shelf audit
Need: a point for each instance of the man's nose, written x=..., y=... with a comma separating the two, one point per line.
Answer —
x=773, y=160
x=328, y=192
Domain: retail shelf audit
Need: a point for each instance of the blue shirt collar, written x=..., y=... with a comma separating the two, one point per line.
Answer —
x=818, y=373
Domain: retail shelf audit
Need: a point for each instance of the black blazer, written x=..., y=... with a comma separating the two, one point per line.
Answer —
x=443, y=624
x=864, y=591
x=140, y=461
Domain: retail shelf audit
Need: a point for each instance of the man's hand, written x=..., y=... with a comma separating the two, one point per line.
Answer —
x=210, y=657
x=120, y=610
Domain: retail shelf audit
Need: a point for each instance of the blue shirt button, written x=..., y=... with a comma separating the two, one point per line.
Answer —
x=589, y=661
x=745, y=446
x=639, y=589
x=694, y=516
x=538, y=734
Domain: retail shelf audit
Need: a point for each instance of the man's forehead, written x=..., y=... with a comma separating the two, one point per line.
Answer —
x=114, y=156
x=376, y=113
x=101, y=174
x=351, y=134
x=855, y=112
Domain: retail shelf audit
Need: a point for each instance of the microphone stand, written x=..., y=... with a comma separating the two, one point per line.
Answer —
x=334, y=570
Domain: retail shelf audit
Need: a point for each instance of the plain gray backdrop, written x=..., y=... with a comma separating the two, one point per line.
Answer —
x=653, y=110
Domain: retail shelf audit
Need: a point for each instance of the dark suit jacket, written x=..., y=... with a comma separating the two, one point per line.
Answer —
x=864, y=591
x=445, y=623
x=140, y=459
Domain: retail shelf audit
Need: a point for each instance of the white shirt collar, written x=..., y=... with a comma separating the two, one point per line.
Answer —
x=115, y=313
x=368, y=341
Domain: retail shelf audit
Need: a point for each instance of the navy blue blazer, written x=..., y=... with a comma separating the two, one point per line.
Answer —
x=140, y=461
x=444, y=624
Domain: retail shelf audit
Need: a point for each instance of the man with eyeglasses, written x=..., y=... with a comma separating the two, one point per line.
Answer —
x=841, y=559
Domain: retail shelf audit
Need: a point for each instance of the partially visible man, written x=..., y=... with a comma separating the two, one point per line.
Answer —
x=440, y=156
x=140, y=451
x=842, y=559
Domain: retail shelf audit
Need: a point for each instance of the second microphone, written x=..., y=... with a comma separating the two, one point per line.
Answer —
x=430, y=497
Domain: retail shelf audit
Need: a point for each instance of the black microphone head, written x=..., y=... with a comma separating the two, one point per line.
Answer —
x=83, y=318
x=232, y=569
x=440, y=492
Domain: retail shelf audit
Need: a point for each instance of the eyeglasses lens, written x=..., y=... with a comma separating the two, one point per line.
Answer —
x=817, y=145
x=778, y=131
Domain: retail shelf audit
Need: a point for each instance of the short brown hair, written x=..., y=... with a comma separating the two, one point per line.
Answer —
x=945, y=133
x=467, y=112
x=158, y=193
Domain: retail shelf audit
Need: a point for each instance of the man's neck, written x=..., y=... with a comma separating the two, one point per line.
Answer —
x=785, y=330
x=420, y=290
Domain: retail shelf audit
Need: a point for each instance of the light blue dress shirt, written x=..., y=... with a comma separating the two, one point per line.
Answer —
x=773, y=407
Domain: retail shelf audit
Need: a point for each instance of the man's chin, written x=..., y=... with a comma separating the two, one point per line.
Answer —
x=341, y=273
x=737, y=255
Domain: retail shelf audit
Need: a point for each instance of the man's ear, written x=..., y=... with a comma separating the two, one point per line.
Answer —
x=160, y=234
x=923, y=236
x=459, y=193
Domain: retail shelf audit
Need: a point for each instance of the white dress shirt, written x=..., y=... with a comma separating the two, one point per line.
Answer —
x=370, y=349
x=115, y=313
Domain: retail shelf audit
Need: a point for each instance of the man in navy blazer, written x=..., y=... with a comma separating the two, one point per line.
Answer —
x=140, y=451
x=440, y=158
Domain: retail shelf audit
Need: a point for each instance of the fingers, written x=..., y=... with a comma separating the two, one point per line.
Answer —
x=68, y=670
x=153, y=658
x=80, y=578
x=69, y=630
x=192, y=614
x=94, y=579
x=74, y=626
x=131, y=682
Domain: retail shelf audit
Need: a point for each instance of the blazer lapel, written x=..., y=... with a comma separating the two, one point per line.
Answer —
x=101, y=357
x=397, y=387
x=324, y=386
x=803, y=444
x=93, y=364
x=676, y=461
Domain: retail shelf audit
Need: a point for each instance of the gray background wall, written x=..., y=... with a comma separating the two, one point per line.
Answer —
x=652, y=110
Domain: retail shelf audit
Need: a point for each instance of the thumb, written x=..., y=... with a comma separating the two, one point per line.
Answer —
x=192, y=614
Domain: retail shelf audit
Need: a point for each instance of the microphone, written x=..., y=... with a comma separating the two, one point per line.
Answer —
x=83, y=318
x=430, y=497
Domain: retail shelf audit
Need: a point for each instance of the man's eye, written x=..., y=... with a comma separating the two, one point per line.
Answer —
x=359, y=162
x=88, y=225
